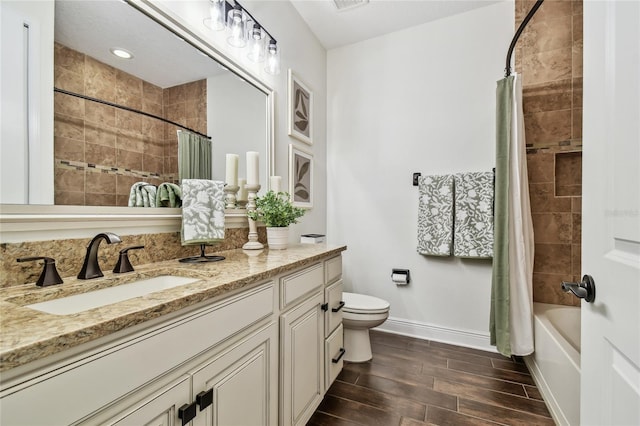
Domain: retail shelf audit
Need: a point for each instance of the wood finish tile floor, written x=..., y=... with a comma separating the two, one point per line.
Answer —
x=412, y=382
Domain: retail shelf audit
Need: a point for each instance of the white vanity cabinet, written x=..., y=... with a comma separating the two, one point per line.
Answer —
x=310, y=338
x=152, y=374
x=263, y=355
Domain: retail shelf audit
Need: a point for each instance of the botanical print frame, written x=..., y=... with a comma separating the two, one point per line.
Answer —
x=300, y=109
x=300, y=177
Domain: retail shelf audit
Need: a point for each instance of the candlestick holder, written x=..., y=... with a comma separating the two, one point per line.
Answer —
x=253, y=243
x=230, y=196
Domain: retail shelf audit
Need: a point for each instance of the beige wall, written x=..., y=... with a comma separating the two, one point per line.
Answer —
x=549, y=57
x=100, y=151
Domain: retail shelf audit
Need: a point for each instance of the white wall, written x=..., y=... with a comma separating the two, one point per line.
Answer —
x=26, y=111
x=237, y=124
x=418, y=100
x=301, y=51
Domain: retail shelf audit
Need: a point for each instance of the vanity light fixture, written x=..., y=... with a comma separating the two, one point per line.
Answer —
x=121, y=53
x=244, y=31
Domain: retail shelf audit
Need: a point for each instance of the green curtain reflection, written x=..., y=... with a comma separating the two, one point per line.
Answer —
x=194, y=156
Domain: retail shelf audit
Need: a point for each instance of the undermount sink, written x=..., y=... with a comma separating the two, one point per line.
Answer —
x=106, y=296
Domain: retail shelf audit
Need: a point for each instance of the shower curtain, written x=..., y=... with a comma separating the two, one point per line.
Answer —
x=194, y=156
x=511, y=318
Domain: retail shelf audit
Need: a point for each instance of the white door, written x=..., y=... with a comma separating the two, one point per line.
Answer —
x=610, y=384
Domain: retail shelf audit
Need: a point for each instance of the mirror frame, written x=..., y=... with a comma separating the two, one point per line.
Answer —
x=21, y=223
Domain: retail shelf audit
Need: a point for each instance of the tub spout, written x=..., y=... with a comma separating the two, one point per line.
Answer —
x=574, y=288
x=586, y=289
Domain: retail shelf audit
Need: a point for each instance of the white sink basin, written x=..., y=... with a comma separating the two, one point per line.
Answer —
x=106, y=296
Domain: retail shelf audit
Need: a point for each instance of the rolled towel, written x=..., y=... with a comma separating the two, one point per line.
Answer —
x=202, y=211
x=435, y=215
x=148, y=195
x=169, y=195
x=473, y=224
x=135, y=195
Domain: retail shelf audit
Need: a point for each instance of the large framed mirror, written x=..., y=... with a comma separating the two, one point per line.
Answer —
x=99, y=151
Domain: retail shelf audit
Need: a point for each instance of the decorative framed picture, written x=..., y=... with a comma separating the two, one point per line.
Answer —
x=300, y=110
x=300, y=177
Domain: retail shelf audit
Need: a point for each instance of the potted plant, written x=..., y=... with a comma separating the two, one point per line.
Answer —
x=277, y=213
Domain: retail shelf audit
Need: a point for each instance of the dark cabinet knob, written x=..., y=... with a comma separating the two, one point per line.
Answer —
x=187, y=412
x=204, y=399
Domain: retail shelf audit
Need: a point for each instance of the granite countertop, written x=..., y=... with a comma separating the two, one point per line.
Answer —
x=27, y=335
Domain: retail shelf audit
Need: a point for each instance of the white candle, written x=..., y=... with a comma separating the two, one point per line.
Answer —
x=253, y=169
x=274, y=183
x=232, y=170
x=242, y=192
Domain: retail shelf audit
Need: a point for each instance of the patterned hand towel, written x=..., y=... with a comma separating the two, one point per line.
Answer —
x=169, y=195
x=202, y=211
x=435, y=215
x=473, y=225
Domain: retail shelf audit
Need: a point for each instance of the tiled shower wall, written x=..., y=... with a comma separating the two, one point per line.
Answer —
x=100, y=151
x=549, y=57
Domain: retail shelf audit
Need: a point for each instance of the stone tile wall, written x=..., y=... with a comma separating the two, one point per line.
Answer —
x=100, y=151
x=549, y=57
x=69, y=254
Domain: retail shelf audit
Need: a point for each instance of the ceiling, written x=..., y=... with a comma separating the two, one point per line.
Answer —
x=93, y=27
x=377, y=17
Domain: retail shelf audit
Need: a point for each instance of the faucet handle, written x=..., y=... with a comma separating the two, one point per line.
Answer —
x=49, y=275
x=124, y=264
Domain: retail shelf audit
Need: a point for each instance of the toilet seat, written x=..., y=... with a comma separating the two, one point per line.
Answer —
x=364, y=304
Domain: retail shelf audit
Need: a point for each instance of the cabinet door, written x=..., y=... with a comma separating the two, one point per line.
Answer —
x=239, y=385
x=161, y=409
x=333, y=299
x=334, y=352
x=302, y=361
x=157, y=406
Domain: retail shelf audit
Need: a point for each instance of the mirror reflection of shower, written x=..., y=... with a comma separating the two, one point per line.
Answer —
x=99, y=152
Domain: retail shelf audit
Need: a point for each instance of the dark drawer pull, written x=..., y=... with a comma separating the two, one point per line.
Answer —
x=340, y=306
x=204, y=399
x=339, y=357
x=187, y=412
x=324, y=307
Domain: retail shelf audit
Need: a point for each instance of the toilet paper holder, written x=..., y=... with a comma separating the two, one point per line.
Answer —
x=400, y=276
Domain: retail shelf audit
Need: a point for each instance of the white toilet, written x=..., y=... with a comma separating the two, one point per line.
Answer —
x=359, y=314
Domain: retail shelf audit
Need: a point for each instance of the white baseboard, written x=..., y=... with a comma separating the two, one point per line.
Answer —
x=466, y=338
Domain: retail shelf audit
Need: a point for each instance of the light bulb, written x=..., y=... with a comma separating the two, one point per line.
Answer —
x=273, y=58
x=217, y=19
x=235, y=23
x=256, y=44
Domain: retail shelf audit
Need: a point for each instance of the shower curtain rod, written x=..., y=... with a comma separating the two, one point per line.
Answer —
x=100, y=101
x=524, y=23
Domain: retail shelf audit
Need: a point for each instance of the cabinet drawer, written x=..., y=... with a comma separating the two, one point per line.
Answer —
x=299, y=284
x=333, y=269
x=333, y=299
x=334, y=354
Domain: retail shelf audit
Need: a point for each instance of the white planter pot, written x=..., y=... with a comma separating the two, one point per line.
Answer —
x=278, y=238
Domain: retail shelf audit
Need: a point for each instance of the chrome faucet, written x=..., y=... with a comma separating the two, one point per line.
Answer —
x=90, y=267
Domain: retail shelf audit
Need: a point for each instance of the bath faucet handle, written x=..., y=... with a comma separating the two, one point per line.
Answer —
x=124, y=264
x=586, y=289
x=49, y=275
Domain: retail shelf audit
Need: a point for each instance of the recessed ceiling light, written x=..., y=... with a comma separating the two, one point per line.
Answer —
x=349, y=4
x=121, y=53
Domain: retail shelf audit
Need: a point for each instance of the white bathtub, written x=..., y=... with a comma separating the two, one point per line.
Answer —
x=555, y=364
